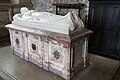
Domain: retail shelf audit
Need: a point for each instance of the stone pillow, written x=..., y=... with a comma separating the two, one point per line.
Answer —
x=70, y=19
x=77, y=20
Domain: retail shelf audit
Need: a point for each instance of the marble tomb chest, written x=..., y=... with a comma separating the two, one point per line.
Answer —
x=55, y=43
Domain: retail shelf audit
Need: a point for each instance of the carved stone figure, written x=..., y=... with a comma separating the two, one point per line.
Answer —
x=68, y=22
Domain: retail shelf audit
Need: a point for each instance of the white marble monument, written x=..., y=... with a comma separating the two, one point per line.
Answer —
x=53, y=42
x=48, y=21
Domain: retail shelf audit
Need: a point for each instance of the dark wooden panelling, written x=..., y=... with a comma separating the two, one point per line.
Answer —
x=104, y=20
x=4, y=1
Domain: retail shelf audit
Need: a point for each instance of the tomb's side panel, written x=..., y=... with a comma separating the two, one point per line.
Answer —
x=79, y=54
x=34, y=49
x=18, y=44
x=59, y=58
x=80, y=58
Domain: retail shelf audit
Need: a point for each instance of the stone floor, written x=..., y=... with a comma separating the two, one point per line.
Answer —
x=1, y=78
x=100, y=68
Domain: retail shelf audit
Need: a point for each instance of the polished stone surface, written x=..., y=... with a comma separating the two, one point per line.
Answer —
x=100, y=68
x=117, y=74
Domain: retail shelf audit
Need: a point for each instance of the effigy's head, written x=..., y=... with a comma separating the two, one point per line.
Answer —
x=23, y=10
